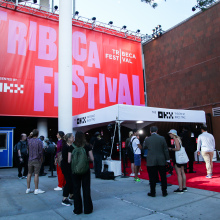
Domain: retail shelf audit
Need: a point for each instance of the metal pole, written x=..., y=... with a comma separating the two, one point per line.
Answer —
x=65, y=67
x=145, y=84
x=119, y=138
x=74, y=8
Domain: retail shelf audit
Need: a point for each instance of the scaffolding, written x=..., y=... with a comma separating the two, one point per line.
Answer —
x=78, y=21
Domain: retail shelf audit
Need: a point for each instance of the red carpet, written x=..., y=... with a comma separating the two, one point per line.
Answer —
x=194, y=180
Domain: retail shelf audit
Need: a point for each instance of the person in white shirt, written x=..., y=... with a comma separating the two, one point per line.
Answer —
x=137, y=154
x=206, y=143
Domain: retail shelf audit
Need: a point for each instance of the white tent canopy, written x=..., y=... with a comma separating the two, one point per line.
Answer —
x=129, y=116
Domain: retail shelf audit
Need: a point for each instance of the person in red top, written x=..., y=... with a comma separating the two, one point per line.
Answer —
x=61, y=178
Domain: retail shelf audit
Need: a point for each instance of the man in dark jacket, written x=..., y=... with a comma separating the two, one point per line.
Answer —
x=98, y=144
x=22, y=157
x=190, y=145
x=157, y=157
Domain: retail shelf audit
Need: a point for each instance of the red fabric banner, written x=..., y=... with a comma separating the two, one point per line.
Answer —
x=107, y=70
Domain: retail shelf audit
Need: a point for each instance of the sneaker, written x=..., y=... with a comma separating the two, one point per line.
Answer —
x=137, y=180
x=132, y=174
x=66, y=202
x=20, y=177
x=139, y=173
x=58, y=188
x=29, y=191
x=24, y=177
x=38, y=191
x=178, y=191
x=185, y=189
x=209, y=176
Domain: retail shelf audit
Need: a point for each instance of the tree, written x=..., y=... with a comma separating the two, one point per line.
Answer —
x=201, y=4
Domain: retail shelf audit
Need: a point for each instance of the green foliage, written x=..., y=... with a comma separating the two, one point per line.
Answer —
x=201, y=4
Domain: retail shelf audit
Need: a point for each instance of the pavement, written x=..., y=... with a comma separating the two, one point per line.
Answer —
x=121, y=198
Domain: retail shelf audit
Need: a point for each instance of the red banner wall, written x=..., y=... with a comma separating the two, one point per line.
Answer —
x=106, y=69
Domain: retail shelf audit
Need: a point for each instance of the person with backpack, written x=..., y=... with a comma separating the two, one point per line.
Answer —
x=81, y=174
x=137, y=153
x=66, y=168
x=129, y=148
x=22, y=156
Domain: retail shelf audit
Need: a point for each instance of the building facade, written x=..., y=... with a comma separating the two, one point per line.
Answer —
x=182, y=67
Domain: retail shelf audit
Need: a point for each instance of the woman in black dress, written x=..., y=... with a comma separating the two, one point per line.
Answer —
x=83, y=180
x=66, y=169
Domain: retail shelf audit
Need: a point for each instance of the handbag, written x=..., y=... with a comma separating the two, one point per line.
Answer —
x=59, y=158
x=181, y=156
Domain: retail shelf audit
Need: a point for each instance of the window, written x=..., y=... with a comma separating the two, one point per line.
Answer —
x=3, y=142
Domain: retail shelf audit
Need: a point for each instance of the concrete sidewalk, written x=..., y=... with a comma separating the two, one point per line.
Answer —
x=119, y=199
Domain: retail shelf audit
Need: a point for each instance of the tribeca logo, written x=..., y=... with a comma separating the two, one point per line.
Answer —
x=121, y=56
x=81, y=120
x=168, y=115
x=11, y=88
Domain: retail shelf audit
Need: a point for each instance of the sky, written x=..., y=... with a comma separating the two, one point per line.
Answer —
x=136, y=14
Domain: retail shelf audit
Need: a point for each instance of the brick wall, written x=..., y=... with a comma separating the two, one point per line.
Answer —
x=183, y=65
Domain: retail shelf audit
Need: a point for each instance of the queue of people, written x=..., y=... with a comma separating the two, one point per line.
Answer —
x=71, y=178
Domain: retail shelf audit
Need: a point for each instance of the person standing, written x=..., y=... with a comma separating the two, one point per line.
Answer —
x=130, y=152
x=82, y=180
x=66, y=168
x=22, y=157
x=178, y=167
x=60, y=176
x=157, y=157
x=137, y=154
x=190, y=145
x=97, y=152
x=35, y=151
x=42, y=173
x=206, y=143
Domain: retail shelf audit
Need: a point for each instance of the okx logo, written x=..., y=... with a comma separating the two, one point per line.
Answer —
x=168, y=115
x=81, y=120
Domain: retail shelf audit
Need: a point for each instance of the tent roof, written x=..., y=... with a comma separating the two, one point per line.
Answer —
x=129, y=115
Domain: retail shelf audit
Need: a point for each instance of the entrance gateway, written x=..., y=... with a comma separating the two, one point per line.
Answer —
x=128, y=115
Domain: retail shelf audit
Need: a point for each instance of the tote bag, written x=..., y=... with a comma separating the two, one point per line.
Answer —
x=181, y=156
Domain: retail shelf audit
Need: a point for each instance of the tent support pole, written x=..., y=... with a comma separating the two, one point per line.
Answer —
x=119, y=138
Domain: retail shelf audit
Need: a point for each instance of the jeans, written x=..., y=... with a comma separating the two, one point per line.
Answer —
x=24, y=164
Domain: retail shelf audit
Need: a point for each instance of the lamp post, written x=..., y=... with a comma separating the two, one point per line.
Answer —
x=65, y=67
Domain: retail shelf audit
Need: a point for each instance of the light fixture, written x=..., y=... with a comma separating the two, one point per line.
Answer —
x=34, y=1
x=124, y=27
x=76, y=13
x=139, y=122
x=55, y=7
x=110, y=23
x=138, y=31
x=157, y=32
x=141, y=131
x=94, y=19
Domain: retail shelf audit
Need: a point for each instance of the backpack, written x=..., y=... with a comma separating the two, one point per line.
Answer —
x=15, y=148
x=130, y=147
x=107, y=175
x=79, y=162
